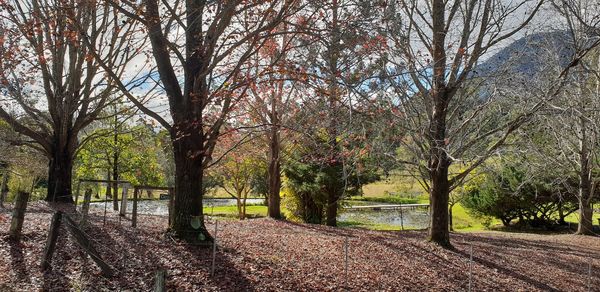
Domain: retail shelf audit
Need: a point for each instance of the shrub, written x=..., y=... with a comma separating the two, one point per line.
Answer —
x=508, y=194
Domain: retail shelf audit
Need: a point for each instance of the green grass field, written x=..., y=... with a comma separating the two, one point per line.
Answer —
x=232, y=212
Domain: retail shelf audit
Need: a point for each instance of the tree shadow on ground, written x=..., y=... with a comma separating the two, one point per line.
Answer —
x=491, y=251
x=507, y=272
x=137, y=255
x=323, y=229
x=17, y=261
x=54, y=278
x=517, y=243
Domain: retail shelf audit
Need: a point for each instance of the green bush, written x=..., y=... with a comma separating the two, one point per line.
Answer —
x=509, y=194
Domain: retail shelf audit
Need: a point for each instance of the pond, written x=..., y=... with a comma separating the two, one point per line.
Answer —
x=160, y=207
x=410, y=218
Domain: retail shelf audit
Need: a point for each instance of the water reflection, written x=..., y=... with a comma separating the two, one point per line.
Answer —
x=160, y=207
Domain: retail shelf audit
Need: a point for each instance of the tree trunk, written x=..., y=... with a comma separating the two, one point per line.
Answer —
x=60, y=171
x=561, y=214
x=187, y=218
x=334, y=163
x=108, y=186
x=274, y=173
x=4, y=188
x=244, y=206
x=332, y=207
x=585, y=218
x=585, y=226
x=439, y=161
x=438, y=232
x=439, y=164
x=311, y=212
x=115, y=174
x=239, y=207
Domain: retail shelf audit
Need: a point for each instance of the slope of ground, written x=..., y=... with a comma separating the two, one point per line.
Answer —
x=268, y=255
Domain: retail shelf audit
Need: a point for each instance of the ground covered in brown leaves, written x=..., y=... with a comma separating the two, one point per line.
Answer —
x=268, y=255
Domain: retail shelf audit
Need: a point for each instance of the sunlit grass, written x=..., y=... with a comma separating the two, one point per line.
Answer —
x=232, y=211
x=574, y=217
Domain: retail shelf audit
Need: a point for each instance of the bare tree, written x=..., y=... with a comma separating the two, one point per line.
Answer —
x=51, y=86
x=450, y=112
x=206, y=45
x=570, y=123
x=270, y=104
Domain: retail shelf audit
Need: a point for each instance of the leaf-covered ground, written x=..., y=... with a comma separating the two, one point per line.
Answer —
x=268, y=255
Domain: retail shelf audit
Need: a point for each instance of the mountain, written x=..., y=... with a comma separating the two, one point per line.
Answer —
x=529, y=56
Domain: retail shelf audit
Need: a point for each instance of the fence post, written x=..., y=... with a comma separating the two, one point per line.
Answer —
x=212, y=269
x=77, y=192
x=134, y=210
x=51, y=242
x=160, y=281
x=18, y=215
x=346, y=262
x=87, y=197
x=171, y=198
x=123, y=211
x=401, y=218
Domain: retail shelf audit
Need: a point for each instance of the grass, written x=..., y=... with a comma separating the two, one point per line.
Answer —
x=463, y=221
x=574, y=217
x=232, y=211
x=388, y=199
x=396, y=185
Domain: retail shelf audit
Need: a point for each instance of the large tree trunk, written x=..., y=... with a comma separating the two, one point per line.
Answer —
x=585, y=219
x=332, y=208
x=586, y=211
x=439, y=164
x=585, y=183
x=187, y=218
x=60, y=171
x=438, y=231
x=311, y=212
x=274, y=173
